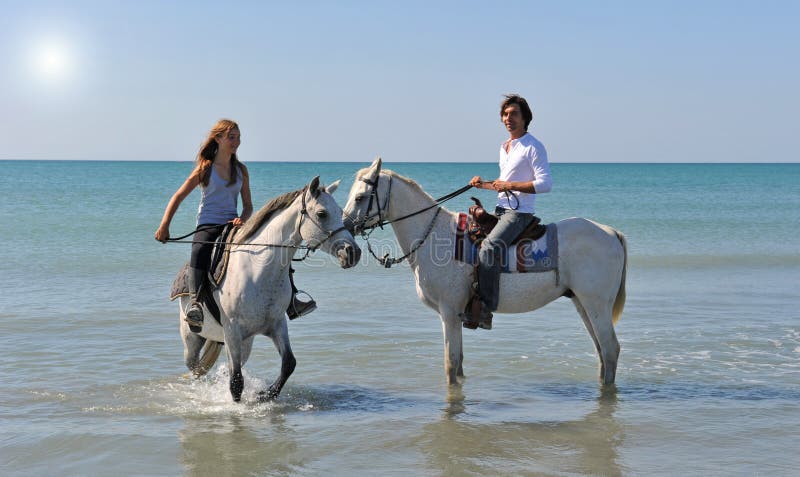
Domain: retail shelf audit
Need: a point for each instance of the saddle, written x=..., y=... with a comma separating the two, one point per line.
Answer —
x=219, y=265
x=222, y=250
x=483, y=222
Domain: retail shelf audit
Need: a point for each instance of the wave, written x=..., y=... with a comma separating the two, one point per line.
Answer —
x=715, y=261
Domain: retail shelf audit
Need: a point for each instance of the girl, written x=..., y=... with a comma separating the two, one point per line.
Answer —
x=222, y=179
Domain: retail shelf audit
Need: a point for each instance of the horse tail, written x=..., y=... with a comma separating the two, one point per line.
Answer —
x=209, y=356
x=619, y=302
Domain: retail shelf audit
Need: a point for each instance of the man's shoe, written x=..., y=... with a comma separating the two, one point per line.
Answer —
x=194, y=317
x=298, y=308
x=476, y=315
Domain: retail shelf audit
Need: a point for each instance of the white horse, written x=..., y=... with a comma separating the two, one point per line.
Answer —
x=255, y=292
x=592, y=263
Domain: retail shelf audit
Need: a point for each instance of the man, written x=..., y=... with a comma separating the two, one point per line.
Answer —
x=524, y=172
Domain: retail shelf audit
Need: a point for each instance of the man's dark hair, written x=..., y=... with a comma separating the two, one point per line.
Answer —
x=527, y=114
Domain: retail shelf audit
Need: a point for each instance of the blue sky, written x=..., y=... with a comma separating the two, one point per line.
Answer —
x=669, y=81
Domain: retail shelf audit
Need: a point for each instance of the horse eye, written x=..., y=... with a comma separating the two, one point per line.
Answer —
x=322, y=214
x=359, y=198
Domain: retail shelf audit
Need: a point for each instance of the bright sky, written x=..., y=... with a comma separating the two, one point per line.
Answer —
x=638, y=81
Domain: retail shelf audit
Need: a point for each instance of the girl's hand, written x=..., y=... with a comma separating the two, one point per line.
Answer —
x=162, y=234
x=237, y=222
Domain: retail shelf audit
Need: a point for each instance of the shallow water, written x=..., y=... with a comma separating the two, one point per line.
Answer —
x=708, y=380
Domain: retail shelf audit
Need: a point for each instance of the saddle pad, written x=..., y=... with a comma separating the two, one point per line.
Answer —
x=179, y=286
x=526, y=256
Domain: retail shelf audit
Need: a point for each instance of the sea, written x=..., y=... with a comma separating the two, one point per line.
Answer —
x=92, y=380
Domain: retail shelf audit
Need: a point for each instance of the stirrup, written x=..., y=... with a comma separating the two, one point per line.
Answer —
x=193, y=316
x=298, y=308
x=476, y=315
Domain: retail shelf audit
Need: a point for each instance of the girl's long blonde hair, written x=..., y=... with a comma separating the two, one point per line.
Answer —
x=208, y=151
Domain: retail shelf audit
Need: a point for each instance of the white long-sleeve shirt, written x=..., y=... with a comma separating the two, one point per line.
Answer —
x=525, y=161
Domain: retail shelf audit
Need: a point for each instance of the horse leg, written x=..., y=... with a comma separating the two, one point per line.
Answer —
x=233, y=345
x=589, y=328
x=192, y=345
x=453, y=351
x=247, y=347
x=598, y=313
x=280, y=337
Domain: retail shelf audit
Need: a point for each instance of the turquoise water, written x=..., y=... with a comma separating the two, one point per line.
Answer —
x=708, y=381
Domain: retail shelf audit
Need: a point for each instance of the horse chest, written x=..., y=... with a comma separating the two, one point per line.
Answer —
x=435, y=285
x=255, y=298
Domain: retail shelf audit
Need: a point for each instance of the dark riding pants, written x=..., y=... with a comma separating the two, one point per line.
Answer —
x=200, y=262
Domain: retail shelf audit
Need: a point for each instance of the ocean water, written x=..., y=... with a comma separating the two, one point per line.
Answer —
x=708, y=381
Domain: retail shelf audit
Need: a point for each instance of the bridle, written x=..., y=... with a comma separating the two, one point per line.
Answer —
x=373, y=197
x=386, y=261
x=304, y=213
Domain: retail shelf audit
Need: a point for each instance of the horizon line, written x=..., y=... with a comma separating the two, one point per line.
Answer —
x=392, y=162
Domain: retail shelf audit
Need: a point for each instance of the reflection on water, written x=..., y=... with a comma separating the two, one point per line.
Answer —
x=234, y=445
x=457, y=445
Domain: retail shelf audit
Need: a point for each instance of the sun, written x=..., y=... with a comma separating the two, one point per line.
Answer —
x=52, y=61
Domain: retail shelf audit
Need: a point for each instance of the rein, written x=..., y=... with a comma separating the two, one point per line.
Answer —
x=307, y=248
x=387, y=261
x=374, y=195
x=437, y=203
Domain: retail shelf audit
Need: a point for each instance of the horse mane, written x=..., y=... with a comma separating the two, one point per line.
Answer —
x=265, y=213
x=401, y=177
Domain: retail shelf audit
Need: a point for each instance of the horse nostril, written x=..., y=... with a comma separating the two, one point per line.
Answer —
x=353, y=253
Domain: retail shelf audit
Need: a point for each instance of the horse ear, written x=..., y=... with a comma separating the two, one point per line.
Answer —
x=313, y=186
x=375, y=168
x=332, y=188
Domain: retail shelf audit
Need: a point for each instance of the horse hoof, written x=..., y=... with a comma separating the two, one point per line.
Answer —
x=267, y=396
x=237, y=386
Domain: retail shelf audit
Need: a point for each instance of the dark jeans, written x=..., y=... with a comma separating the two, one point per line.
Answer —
x=201, y=252
x=493, y=252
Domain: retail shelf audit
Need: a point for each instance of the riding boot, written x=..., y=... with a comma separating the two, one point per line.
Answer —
x=477, y=313
x=297, y=307
x=195, y=278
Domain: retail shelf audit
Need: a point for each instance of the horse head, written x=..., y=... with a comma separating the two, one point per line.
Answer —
x=368, y=200
x=320, y=224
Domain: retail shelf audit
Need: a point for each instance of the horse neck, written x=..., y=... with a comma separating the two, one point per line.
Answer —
x=281, y=229
x=406, y=199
